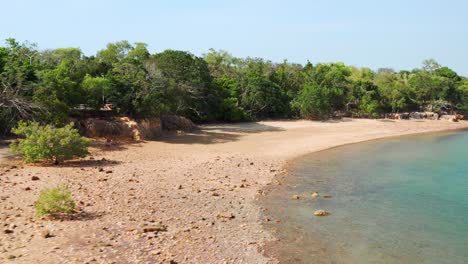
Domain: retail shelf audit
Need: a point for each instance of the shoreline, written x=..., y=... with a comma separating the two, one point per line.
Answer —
x=292, y=159
x=204, y=186
x=279, y=197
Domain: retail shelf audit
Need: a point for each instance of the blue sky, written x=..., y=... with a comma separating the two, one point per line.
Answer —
x=397, y=34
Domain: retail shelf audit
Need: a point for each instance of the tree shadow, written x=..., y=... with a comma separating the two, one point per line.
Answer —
x=88, y=163
x=115, y=145
x=76, y=216
x=244, y=127
x=199, y=137
x=217, y=133
x=86, y=216
x=338, y=120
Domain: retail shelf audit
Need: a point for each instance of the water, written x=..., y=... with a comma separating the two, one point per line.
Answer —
x=401, y=200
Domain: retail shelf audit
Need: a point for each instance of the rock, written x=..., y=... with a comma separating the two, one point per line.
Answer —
x=46, y=233
x=109, y=171
x=448, y=117
x=321, y=213
x=101, y=169
x=8, y=231
x=34, y=178
x=226, y=215
x=179, y=187
x=156, y=228
x=315, y=195
x=296, y=197
x=27, y=188
x=327, y=196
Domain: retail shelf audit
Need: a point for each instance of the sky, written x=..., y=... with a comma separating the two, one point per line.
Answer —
x=397, y=34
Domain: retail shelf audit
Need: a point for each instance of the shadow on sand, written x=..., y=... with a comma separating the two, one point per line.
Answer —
x=215, y=134
x=88, y=163
x=115, y=145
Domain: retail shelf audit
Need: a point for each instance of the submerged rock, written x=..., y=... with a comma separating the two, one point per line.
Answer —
x=296, y=197
x=315, y=195
x=321, y=213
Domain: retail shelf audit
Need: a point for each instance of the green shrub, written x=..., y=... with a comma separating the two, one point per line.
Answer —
x=55, y=201
x=49, y=143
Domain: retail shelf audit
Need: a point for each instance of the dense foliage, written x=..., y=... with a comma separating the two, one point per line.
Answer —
x=49, y=143
x=51, y=85
x=55, y=202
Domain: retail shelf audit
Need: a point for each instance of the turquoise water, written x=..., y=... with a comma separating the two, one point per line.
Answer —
x=402, y=200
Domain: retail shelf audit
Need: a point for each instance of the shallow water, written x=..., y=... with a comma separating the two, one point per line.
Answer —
x=402, y=200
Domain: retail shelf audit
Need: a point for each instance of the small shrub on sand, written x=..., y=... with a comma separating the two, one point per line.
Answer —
x=55, y=202
x=49, y=143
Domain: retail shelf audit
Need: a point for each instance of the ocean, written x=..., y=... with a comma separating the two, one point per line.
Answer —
x=398, y=200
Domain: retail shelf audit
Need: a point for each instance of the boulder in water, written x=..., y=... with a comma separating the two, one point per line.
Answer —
x=321, y=213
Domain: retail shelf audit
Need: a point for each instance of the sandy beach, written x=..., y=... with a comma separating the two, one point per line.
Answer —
x=202, y=186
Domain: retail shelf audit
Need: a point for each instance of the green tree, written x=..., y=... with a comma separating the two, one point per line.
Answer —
x=49, y=143
x=262, y=98
x=314, y=102
x=96, y=90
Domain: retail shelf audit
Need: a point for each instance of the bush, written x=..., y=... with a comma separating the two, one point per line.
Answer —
x=49, y=143
x=55, y=202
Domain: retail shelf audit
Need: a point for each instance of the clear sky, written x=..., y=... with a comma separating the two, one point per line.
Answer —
x=399, y=34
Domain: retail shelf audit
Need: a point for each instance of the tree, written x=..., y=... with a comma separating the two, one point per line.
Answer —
x=96, y=90
x=262, y=98
x=48, y=142
x=314, y=102
x=188, y=90
x=18, y=64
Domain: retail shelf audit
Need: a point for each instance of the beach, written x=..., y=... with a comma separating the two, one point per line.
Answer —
x=202, y=187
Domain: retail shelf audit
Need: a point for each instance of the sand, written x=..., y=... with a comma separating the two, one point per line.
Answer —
x=203, y=186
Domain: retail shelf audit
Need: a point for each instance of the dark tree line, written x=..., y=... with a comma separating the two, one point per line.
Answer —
x=51, y=85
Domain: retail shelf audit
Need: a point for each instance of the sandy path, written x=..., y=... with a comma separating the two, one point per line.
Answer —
x=203, y=186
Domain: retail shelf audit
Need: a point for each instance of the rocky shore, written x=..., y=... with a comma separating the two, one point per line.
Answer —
x=185, y=198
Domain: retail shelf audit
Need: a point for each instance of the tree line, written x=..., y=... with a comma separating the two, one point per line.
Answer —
x=50, y=85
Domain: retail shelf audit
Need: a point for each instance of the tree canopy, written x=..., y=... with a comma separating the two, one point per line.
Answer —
x=50, y=85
